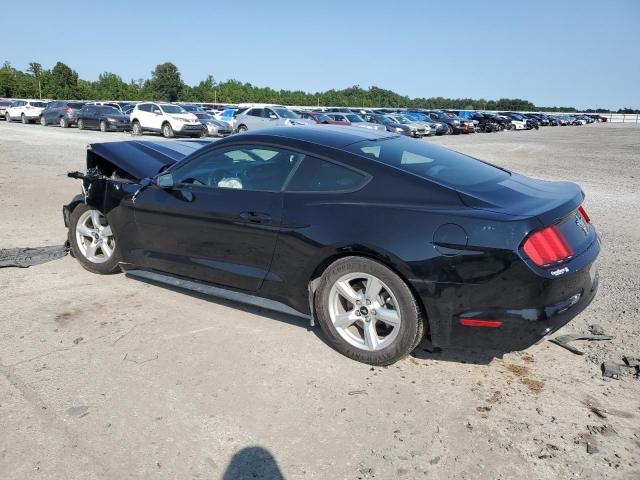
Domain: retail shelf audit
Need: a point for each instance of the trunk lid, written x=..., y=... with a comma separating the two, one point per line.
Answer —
x=552, y=203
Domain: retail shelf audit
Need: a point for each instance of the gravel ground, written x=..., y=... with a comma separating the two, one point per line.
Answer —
x=108, y=377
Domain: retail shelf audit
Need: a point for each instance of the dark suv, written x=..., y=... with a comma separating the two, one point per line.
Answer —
x=103, y=117
x=60, y=112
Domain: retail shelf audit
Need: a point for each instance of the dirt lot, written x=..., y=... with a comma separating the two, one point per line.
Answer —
x=110, y=378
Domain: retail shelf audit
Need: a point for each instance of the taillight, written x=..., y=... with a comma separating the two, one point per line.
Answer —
x=67, y=109
x=584, y=214
x=547, y=246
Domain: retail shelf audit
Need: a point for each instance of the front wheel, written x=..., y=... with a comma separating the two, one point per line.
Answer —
x=92, y=241
x=43, y=121
x=368, y=312
x=24, y=119
x=136, y=128
x=64, y=123
x=103, y=126
x=167, y=131
x=241, y=128
x=80, y=124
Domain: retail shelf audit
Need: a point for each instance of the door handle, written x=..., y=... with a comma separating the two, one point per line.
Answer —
x=255, y=217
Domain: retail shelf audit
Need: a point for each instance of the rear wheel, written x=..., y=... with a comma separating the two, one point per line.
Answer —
x=368, y=312
x=449, y=129
x=92, y=241
x=103, y=126
x=241, y=128
x=43, y=121
x=24, y=119
x=80, y=124
x=64, y=123
x=136, y=128
x=167, y=131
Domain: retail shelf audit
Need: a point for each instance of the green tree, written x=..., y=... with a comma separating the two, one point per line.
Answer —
x=36, y=70
x=62, y=82
x=166, y=82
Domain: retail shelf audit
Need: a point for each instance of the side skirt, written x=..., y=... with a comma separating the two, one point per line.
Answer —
x=210, y=290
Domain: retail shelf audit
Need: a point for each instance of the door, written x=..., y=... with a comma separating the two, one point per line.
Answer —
x=219, y=221
x=155, y=117
x=254, y=118
x=49, y=112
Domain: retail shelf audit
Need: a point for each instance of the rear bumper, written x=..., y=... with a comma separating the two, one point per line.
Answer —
x=523, y=327
x=522, y=305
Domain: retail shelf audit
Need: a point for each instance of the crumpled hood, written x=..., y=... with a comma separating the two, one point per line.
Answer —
x=141, y=159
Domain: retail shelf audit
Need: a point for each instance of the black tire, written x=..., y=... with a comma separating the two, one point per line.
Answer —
x=449, y=129
x=80, y=124
x=412, y=327
x=103, y=126
x=43, y=121
x=241, y=128
x=64, y=123
x=167, y=131
x=24, y=119
x=110, y=266
x=136, y=128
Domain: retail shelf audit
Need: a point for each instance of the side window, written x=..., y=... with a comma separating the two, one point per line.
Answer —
x=315, y=175
x=268, y=113
x=248, y=167
x=155, y=108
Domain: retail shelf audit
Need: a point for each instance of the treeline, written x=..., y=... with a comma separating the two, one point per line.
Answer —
x=165, y=84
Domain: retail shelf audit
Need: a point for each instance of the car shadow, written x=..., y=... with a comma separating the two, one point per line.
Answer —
x=425, y=350
x=243, y=307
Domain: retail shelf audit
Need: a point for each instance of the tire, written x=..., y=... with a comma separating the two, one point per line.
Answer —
x=43, y=121
x=449, y=129
x=136, y=128
x=354, y=275
x=103, y=126
x=83, y=220
x=64, y=123
x=24, y=119
x=241, y=128
x=80, y=124
x=167, y=131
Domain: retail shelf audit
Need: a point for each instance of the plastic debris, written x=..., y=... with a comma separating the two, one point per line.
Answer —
x=563, y=340
x=611, y=370
x=27, y=257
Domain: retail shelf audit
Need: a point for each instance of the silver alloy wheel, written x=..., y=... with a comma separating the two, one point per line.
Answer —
x=94, y=237
x=364, y=311
x=166, y=130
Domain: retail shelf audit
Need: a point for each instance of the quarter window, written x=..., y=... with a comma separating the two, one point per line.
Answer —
x=315, y=175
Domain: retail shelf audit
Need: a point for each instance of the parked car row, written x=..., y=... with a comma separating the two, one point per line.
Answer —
x=191, y=120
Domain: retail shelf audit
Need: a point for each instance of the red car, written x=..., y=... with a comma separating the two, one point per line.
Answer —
x=319, y=117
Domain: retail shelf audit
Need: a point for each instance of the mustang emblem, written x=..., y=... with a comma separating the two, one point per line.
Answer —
x=582, y=224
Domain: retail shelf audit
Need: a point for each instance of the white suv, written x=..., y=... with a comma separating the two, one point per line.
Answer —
x=26, y=111
x=165, y=118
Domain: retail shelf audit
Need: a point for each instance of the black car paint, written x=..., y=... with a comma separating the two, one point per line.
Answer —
x=460, y=252
x=93, y=115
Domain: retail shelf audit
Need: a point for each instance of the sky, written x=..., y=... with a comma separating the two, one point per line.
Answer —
x=554, y=53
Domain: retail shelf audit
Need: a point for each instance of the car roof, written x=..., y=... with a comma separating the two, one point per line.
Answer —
x=328, y=135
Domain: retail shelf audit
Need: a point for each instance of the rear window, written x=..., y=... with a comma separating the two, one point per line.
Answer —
x=429, y=161
x=37, y=104
x=75, y=105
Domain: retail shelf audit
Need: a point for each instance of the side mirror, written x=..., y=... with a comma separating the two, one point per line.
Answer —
x=165, y=180
x=273, y=117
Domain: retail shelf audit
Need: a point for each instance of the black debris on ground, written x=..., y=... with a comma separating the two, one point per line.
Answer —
x=563, y=340
x=27, y=257
x=611, y=370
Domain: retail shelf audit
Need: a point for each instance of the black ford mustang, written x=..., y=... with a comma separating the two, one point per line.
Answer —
x=379, y=238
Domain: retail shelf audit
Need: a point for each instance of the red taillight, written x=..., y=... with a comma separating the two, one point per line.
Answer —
x=583, y=212
x=547, y=246
x=67, y=109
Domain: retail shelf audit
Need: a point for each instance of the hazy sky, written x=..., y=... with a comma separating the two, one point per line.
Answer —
x=567, y=53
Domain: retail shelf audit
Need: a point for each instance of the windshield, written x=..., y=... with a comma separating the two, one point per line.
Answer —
x=517, y=116
x=430, y=161
x=384, y=119
x=353, y=118
x=5, y=104
x=401, y=119
x=203, y=116
x=284, y=113
x=172, y=109
x=320, y=117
